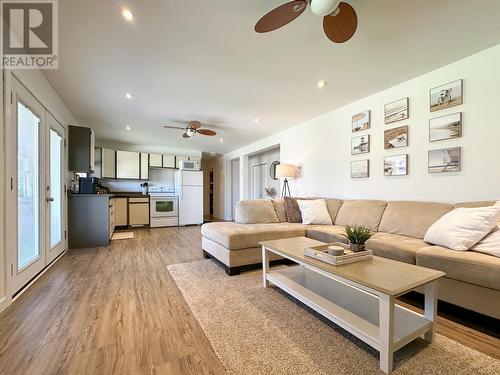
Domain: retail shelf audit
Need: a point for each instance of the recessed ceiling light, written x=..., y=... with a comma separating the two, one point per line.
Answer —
x=221, y=140
x=127, y=127
x=256, y=120
x=127, y=14
x=321, y=84
x=128, y=95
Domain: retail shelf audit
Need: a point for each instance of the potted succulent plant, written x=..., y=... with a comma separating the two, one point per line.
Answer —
x=357, y=236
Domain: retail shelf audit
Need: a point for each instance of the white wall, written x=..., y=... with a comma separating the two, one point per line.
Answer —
x=321, y=146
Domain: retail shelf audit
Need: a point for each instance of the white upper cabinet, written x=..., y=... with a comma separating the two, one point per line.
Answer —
x=127, y=165
x=195, y=158
x=168, y=161
x=144, y=166
x=155, y=160
x=108, y=163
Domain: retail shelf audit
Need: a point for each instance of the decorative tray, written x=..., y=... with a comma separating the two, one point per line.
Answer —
x=320, y=252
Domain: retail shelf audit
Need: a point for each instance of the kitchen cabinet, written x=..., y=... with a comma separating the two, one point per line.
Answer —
x=97, y=163
x=144, y=166
x=195, y=158
x=178, y=160
x=121, y=214
x=155, y=160
x=127, y=165
x=81, y=149
x=111, y=217
x=138, y=211
x=168, y=161
x=108, y=163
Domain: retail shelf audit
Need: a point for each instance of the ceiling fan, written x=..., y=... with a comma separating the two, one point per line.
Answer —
x=339, y=18
x=192, y=128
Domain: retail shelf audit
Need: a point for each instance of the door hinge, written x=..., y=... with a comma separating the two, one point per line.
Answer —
x=65, y=189
x=11, y=97
x=11, y=183
x=65, y=234
x=11, y=270
x=64, y=142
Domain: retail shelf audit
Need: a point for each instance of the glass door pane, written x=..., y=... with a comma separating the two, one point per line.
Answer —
x=55, y=188
x=28, y=191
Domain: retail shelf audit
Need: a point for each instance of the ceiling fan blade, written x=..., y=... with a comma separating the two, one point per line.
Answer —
x=280, y=16
x=173, y=127
x=206, y=132
x=194, y=124
x=185, y=135
x=341, y=25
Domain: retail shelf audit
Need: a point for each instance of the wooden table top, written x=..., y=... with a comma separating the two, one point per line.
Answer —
x=383, y=275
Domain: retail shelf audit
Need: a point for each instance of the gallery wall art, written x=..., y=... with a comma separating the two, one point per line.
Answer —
x=360, y=169
x=446, y=96
x=445, y=127
x=361, y=121
x=396, y=165
x=396, y=137
x=397, y=111
x=360, y=145
x=445, y=160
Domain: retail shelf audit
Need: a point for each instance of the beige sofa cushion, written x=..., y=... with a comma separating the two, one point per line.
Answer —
x=279, y=208
x=255, y=211
x=367, y=213
x=236, y=236
x=469, y=266
x=411, y=218
x=395, y=246
x=475, y=204
x=333, y=206
x=327, y=234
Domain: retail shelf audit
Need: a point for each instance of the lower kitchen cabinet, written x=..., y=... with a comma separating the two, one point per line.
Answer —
x=121, y=212
x=138, y=211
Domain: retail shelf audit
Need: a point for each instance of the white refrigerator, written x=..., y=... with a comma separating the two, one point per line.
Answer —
x=189, y=189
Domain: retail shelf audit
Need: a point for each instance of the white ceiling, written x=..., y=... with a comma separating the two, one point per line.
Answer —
x=192, y=59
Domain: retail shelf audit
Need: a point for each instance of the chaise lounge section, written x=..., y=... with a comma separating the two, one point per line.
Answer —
x=472, y=279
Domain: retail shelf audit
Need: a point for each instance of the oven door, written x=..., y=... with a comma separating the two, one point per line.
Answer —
x=164, y=207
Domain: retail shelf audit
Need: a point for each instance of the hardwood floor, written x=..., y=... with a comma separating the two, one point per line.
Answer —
x=113, y=310
x=116, y=310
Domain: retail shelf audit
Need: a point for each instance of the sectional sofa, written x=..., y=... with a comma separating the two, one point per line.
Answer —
x=472, y=279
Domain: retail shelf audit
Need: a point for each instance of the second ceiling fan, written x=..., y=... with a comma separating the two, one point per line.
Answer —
x=339, y=18
x=192, y=128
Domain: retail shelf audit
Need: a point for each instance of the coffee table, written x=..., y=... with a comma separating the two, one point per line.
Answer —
x=358, y=297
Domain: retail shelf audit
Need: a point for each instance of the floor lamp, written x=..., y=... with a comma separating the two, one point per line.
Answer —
x=285, y=171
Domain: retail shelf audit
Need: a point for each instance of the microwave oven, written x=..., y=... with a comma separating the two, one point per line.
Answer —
x=189, y=165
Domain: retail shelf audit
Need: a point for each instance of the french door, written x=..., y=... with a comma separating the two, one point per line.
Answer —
x=35, y=233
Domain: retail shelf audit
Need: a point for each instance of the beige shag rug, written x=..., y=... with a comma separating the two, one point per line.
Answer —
x=255, y=330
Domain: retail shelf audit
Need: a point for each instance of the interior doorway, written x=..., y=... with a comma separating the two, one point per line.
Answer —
x=235, y=184
x=262, y=182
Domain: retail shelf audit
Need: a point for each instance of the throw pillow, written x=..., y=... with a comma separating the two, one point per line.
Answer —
x=462, y=228
x=292, y=210
x=280, y=209
x=314, y=212
x=489, y=244
x=256, y=211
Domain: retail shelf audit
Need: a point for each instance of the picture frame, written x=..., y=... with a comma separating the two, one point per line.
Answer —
x=445, y=96
x=396, y=137
x=360, y=145
x=446, y=127
x=396, y=165
x=360, y=168
x=398, y=110
x=445, y=160
x=361, y=121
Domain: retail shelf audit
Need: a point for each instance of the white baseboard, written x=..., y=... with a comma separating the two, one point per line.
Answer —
x=4, y=303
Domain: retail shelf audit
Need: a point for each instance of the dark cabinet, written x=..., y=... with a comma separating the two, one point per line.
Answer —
x=81, y=149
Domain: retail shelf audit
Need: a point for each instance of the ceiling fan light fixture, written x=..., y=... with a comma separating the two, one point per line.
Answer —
x=190, y=132
x=323, y=8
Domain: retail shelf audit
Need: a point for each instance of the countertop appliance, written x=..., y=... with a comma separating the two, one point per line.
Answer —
x=189, y=165
x=163, y=207
x=189, y=189
x=88, y=185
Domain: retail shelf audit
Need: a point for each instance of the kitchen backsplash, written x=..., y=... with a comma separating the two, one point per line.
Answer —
x=157, y=176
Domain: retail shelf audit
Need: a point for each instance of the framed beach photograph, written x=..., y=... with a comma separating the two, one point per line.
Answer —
x=445, y=127
x=396, y=165
x=361, y=121
x=360, y=168
x=397, y=111
x=445, y=160
x=360, y=145
x=446, y=96
x=396, y=137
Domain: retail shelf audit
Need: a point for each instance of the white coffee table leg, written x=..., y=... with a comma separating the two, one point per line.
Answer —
x=430, y=291
x=265, y=266
x=386, y=332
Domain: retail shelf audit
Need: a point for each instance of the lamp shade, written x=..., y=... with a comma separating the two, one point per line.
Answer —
x=285, y=171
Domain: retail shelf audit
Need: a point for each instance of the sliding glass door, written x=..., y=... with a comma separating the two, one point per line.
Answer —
x=35, y=236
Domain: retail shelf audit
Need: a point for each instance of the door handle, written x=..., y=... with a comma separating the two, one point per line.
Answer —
x=49, y=199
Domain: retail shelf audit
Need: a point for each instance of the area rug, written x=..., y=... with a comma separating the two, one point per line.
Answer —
x=256, y=330
x=122, y=236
